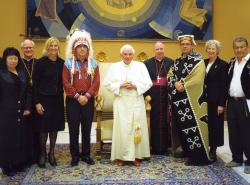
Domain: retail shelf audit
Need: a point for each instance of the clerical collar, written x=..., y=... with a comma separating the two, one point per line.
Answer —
x=28, y=59
x=159, y=60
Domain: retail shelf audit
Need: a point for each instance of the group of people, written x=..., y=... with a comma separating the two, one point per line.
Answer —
x=32, y=102
x=188, y=101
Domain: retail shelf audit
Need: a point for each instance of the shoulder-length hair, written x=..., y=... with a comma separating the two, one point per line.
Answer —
x=47, y=44
x=10, y=51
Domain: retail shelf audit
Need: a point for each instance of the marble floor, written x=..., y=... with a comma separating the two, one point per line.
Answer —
x=223, y=152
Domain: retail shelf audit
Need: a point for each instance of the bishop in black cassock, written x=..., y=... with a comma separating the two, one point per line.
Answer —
x=158, y=67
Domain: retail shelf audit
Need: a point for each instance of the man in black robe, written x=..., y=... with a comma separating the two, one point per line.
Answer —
x=158, y=67
x=189, y=106
x=27, y=63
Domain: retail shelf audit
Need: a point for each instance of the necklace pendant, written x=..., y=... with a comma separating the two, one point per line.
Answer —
x=30, y=82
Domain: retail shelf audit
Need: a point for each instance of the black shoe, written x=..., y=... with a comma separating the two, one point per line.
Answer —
x=42, y=161
x=189, y=162
x=74, y=161
x=19, y=168
x=52, y=160
x=213, y=157
x=212, y=154
x=88, y=160
x=165, y=153
x=179, y=155
x=8, y=171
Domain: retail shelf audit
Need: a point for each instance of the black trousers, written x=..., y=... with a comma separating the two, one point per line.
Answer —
x=215, y=126
x=239, y=129
x=79, y=115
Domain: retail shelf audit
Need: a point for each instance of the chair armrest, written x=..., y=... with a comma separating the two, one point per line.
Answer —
x=99, y=103
x=148, y=109
x=98, y=108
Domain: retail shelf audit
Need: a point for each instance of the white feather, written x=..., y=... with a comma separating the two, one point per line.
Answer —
x=75, y=35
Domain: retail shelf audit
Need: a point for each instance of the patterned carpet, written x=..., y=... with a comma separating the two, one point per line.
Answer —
x=159, y=170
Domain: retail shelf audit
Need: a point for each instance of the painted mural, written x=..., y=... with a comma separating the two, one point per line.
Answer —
x=120, y=19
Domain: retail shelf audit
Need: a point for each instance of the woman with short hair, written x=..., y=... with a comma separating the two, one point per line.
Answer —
x=216, y=89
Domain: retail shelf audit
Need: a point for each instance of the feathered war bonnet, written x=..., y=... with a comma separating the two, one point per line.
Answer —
x=75, y=38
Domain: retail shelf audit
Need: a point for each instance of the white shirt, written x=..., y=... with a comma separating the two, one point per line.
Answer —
x=208, y=67
x=235, y=89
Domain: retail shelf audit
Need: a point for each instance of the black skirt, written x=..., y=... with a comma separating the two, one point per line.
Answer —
x=53, y=118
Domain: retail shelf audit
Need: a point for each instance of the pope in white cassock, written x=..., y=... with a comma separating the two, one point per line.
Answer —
x=128, y=80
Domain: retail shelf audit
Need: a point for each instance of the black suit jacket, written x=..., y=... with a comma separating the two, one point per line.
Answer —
x=245, y=77
x=215, y=81
x=47, y=78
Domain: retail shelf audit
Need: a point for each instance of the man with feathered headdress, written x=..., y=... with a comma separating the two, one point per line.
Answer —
x=81, y=81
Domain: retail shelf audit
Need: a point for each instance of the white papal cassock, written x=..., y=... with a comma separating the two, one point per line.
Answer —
x=129, y=110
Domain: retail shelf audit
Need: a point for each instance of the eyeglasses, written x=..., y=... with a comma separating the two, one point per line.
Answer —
x=186, y=44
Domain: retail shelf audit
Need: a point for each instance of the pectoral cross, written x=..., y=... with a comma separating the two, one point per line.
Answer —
x=158, y=79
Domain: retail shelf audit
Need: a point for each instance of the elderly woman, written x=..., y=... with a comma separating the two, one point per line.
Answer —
x=15, y=104
x=216, y=75
x=48, y=98
x=189, y=108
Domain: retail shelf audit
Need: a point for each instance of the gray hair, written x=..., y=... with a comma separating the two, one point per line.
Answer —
x=240, y=39
x=127, y=47
x=216, y=43
x=32, y=42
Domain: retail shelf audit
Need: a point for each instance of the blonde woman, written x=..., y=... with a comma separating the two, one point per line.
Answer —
x=48, y=98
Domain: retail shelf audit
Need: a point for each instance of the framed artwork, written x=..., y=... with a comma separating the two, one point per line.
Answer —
x=120, y=19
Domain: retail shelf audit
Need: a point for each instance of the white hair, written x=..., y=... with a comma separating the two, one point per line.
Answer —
x=216, y=43
x=127, y=47
x=75, y=35
x=31, y=41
